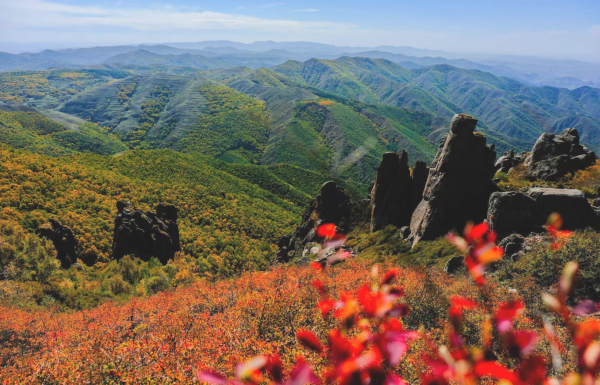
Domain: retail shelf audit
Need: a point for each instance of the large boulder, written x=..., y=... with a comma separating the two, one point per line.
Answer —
x=146, y=234
x=332, y=205
x=63, y=240
x=459, y=182
x=554, y=156
x=514, y=212
x=509, y=160
x=390, y=197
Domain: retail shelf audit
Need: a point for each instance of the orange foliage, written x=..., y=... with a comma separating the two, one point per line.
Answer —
x=208, y=326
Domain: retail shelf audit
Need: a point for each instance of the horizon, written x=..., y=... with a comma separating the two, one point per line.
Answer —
x=551, y=29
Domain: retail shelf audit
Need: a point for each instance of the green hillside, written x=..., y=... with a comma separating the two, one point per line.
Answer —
x=506, y=108
x=328, y=134
x=48, y=89
x=36, y=133
x=227, y=223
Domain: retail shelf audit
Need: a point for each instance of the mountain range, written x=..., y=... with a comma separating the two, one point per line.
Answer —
x=315, y=114
x=218, y=54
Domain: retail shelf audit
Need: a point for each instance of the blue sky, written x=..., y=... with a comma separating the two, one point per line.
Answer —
x=535, y=27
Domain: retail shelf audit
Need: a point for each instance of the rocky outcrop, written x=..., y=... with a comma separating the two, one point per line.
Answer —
x=554, y=156
x=459, y=182
x=512, y=246
x=390, y=197
x=63, y=240
x=146, y=234
x=509, y=160
x=420, y=172
x=332, y=205
x=396, y=192
x=514, y=212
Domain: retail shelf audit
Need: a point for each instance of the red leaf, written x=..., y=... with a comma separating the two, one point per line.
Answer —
x=302, y=374
x=520, y=343
x=473, y=233
x=317, y=266
x=211, y=378
x=326, y=231
x=326, y=306
x=320, y=287
x=506, y=313
x=495, y=370
x=393, y=379
x=275, y=368
x=533, y=370
x=394, y=345
x=309, y=340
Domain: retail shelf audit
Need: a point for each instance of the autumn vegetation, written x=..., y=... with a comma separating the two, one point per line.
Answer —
x=351, y=323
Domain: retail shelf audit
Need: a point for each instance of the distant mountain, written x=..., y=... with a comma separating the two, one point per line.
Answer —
x=504, y=106
x=255, y=117
x=534, y=71
x=143, y=57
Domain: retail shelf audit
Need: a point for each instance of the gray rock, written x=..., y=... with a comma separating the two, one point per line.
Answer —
x=513, y=212
x=509, y=160
x=405, y=232
x=459, y=182
x=390, y=197
x=146, y=235
x=420, y=172
x=63, y=240
x=554, y=156
x=332, y=205
x=512, y=246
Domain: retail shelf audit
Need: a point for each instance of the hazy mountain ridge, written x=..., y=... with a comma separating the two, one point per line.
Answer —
x=534, y=71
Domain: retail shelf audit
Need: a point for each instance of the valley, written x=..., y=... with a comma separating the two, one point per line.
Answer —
x=168, y=212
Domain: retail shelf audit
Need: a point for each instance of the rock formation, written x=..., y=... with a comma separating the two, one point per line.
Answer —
x=515, y=212
x=419, y=179
x=63, y=240
x=459, y=182
x=396, y=193
x=332, y=205
x=512, y=246
x=390, y=197
x=146, y=234
x=509, y=160
x=554, y=156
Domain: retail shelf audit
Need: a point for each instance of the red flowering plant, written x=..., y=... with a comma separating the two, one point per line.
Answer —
x=368, y=344
x=370, y=341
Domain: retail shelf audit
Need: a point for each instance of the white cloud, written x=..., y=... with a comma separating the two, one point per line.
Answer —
x=51, y=21
x=307, y=10
x=46, y=14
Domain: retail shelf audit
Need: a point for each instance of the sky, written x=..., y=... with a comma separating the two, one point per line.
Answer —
x=559, y=28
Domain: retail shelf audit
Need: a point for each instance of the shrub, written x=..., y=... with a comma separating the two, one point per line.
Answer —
x=119, y=286
x=587, y=180
x=157, y=283
x=130, y=269
x=545, y=264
